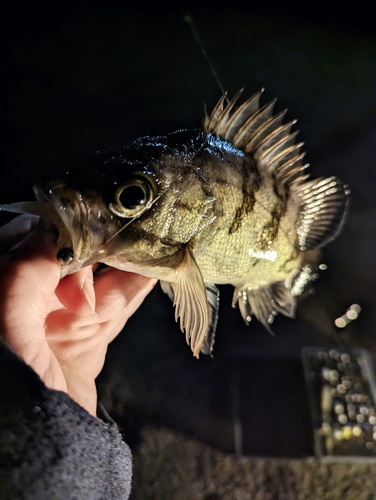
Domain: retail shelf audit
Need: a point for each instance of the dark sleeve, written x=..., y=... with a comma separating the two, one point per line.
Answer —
x=50, y=447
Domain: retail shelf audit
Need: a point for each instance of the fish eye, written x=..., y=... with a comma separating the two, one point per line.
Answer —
x=133, y=198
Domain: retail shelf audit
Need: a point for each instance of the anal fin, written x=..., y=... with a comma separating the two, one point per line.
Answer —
x=265, y=302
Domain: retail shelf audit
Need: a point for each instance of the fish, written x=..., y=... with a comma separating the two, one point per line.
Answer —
x=230, y=203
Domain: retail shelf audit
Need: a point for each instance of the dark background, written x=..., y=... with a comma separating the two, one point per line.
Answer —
x=79, y=77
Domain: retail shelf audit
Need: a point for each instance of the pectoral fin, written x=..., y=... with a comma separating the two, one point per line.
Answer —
x=196, y=304
x=167, y=289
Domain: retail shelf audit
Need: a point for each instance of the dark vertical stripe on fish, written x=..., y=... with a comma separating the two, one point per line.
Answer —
x=280, y=190
x=251, y=182
x=270, y=229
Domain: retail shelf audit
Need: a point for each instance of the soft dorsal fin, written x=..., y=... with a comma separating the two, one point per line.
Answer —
x=256, y=131
x=323, y=206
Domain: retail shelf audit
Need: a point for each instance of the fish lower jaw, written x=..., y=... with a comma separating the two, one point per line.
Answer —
x=145, y=269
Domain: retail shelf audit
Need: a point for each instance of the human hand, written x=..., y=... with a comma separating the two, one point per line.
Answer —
x=61, y=328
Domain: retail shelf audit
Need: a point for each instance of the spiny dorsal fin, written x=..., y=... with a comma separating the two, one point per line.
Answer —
x=252, y=125
x=222, y=115
x=323, y=206
x=256, y=131
x=271, y=126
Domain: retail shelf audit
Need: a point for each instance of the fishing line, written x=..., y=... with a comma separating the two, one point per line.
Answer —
x=126, y=225
x=192, y=26
x=189, y=20
x=117, y=232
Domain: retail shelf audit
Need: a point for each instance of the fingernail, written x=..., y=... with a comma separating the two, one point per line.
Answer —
x=88, y=290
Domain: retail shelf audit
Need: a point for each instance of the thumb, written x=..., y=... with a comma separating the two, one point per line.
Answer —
x=29, y=274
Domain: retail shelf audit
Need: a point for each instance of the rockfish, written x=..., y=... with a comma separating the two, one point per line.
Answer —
x=227, y=204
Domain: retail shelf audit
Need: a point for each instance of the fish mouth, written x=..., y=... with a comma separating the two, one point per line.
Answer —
x=70, y=216
x=86, y=228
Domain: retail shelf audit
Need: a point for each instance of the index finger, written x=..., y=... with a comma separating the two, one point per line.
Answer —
x=119, y=294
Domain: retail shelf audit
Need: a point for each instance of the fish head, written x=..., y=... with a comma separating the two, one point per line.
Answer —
x=133, y=208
